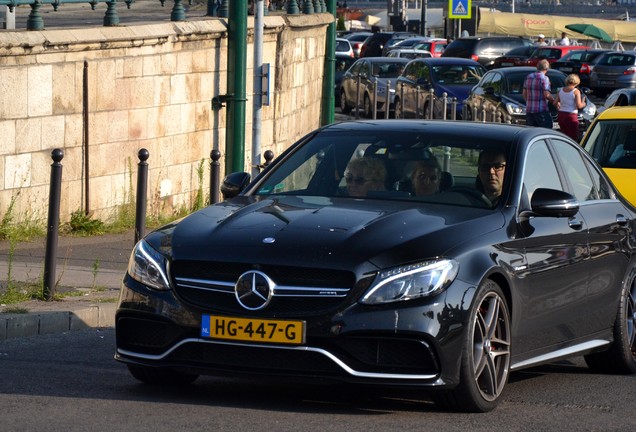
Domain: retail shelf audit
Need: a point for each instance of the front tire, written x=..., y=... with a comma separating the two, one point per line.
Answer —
x=398, y=113
x=485, y=363
x=344, y=107
x=368, y=107
x=621, y=357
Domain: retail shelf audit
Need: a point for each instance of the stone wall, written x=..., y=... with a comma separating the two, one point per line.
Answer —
x=105, y=93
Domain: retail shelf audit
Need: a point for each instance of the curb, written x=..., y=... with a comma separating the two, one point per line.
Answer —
x=42, y=323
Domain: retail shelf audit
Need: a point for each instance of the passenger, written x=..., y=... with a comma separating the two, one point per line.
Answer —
x=426, y=177
x=492, y=167
x=363, y=175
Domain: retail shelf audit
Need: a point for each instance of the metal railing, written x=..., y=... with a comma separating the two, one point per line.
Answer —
x=427, y=106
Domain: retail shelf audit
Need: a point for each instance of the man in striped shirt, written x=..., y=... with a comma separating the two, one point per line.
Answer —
x=536, y=92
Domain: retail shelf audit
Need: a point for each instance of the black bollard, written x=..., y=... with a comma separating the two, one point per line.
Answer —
x=269, y=156
x=215, y=173
x=142, y=185
x=52, y=230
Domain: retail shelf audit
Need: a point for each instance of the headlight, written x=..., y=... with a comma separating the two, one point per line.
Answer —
x=514, y=109
x=148, y=266
x=411, y=281
x=589, y=111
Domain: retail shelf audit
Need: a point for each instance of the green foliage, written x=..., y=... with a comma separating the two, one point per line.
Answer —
x=199, y=200
x=341, y=24
x=85, y=225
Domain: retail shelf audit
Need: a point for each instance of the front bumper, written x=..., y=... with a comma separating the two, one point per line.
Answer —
x=415, y=345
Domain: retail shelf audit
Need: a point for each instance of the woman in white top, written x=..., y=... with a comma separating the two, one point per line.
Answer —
x=569, y=101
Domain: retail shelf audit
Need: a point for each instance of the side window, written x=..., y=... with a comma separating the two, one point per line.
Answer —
x=497, y=83
x=577, y=174
x=540, y=170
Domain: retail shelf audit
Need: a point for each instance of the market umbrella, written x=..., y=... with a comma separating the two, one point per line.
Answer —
x=590, y=30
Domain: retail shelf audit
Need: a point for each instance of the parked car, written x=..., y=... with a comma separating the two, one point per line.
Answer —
x=435, y=46
x=343, y=46
x=343, y=63
x=550, y=53
x=502, y=90
x=614, y=70
x=580, y=62
x=484, y=49
x=366, y=78
x=408, y=53
x=357, y=40
x=453, y=76
x=611, y=140
x=514, y=57
x=619, y=97
x=292, y=277
x=397, y=38
x=374, y=45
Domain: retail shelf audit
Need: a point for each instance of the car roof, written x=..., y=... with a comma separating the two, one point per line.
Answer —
x=618, y=113
x=479, y=131
x=384, y=59
x=448, y=60
x=528, y=69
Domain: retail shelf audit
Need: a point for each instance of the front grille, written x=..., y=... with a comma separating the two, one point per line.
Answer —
x=300, y=291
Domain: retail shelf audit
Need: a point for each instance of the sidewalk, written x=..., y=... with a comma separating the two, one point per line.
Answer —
x=91, y=268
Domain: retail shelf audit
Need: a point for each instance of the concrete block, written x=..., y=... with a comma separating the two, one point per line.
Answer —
x=54, y=322
x=3, y=329
x=22, y=325
x=107, y=315
x=84, y=318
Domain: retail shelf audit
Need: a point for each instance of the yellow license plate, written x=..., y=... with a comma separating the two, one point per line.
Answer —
x=253, y=330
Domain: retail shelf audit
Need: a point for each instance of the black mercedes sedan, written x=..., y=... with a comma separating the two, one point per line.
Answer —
x=431, y=254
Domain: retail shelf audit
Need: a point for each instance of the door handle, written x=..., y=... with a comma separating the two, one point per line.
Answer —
x=621, y=220
x=576, y=224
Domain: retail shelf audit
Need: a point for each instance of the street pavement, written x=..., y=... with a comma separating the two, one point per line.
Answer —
x=88, y=275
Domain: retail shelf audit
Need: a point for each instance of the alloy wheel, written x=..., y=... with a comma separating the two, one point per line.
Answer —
x=491, y=346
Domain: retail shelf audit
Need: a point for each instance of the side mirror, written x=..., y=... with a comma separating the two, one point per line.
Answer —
x=489, y=91
x=234, y=184
x=553, y=203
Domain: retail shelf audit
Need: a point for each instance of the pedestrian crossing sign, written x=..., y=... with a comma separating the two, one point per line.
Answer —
x=459, y=9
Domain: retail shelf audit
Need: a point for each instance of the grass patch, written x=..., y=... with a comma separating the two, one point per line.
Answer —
x=17, y=292
x=15, y=310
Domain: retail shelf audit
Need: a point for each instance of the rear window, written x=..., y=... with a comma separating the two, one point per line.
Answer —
x=617, y=59
x=460, y=48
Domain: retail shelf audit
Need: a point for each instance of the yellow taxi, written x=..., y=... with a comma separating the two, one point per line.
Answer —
x=611, y=140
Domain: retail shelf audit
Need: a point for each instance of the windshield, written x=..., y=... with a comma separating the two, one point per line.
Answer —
x=457, y=74
x=516, y=80
x=382, y=165
x=387, y=69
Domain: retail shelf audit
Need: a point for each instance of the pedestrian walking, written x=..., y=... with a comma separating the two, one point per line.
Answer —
x=568, y=102
x=536, y=92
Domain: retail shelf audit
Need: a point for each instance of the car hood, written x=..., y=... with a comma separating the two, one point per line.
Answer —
x=513, y=97
x=454, y=91
x=322, y=232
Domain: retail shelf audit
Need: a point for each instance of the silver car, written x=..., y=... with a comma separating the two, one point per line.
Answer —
x=368, y=80
x=614, y=70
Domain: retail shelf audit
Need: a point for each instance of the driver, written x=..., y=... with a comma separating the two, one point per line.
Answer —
x=492, y=167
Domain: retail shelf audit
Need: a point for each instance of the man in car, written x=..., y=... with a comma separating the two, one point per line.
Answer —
x=536, y=92
x=491, y=165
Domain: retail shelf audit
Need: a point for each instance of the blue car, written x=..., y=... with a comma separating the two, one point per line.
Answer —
x=453, y=76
